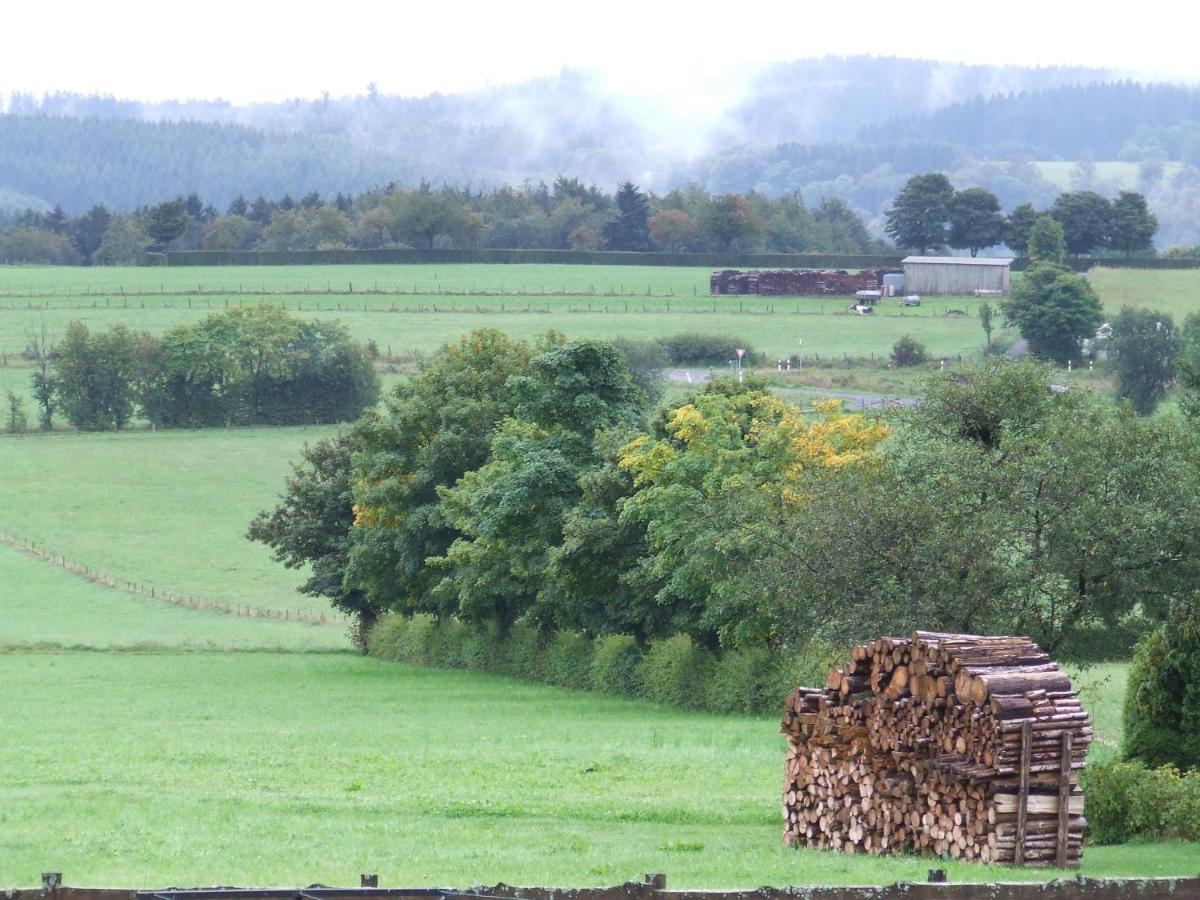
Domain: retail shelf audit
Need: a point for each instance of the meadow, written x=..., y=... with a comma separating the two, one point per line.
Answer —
x=294, y=768
x=168, y=509
x=150, y=744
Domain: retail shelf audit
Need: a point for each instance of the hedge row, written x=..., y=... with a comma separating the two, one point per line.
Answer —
x=674, y=671
x=1129, y=800
x=572, y=257
x=599, y=258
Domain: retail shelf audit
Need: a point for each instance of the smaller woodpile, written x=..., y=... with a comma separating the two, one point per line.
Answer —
x=956, y=744
x=795, y=282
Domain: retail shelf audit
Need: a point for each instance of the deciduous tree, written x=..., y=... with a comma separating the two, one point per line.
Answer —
x=918, y=216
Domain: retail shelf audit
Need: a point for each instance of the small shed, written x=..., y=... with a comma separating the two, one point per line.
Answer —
x=955, y=275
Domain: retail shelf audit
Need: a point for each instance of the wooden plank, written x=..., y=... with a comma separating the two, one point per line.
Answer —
x=1023, y=795
x=1064, y=794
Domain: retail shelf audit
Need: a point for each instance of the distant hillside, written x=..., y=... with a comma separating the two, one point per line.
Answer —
x=1079, y=121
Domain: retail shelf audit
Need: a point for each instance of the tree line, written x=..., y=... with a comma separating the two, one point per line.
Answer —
x=567, y=214
x=254, y=365
x=929, y=214
x=536, y=482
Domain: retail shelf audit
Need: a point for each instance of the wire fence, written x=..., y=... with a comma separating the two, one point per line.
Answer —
x=149, y=591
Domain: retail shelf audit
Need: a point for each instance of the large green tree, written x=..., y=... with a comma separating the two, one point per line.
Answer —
x=96, y=377
x=1055, y=310
x=975, y=220
x=310, y=528
x=918, y=216
x=1017, y=226
x=1144, y=348
x=1086, y=218
x=1131, y=225
x=166, y=221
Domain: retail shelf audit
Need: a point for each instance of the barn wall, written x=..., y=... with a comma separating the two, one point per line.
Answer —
x=951, y=279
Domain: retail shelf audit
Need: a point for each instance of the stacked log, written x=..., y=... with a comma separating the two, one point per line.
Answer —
x=961, y=745
x=796, y=282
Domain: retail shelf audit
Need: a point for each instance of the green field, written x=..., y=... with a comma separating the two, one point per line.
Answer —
x=167, y=509
x=149, y=744
x=256, y=768
x=42, y=606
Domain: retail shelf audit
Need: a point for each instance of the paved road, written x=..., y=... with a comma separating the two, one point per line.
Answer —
x=850, y=399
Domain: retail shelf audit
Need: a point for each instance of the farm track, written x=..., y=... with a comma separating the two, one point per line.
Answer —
x=150, y=592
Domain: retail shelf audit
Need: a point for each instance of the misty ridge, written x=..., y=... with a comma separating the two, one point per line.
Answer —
x=849, y=128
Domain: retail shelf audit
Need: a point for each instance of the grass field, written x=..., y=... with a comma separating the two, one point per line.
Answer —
x=168, y=509
x=43, y=606
x=145, y=746
x=292, y=768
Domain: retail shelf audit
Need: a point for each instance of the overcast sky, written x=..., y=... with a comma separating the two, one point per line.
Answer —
x=267, y=50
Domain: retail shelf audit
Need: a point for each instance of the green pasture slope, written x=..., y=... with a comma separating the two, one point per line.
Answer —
x=44, y=607
x=168, y=509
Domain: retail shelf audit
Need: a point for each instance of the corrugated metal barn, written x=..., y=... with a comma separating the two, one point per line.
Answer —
x=957, y=275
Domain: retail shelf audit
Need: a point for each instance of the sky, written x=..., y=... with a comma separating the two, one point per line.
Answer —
x=263, y=50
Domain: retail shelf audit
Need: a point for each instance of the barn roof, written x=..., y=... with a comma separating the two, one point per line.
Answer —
x=958, y=260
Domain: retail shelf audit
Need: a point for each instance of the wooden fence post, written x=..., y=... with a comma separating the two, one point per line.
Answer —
x=1023, y=799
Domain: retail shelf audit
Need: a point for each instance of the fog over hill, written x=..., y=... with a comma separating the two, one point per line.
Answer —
x=849, y=127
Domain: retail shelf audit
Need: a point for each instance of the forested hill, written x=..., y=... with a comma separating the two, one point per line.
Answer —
x=76, y=151
x=1099, y=121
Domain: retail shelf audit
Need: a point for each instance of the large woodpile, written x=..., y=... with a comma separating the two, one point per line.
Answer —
x=942, y=743
x=795, y=282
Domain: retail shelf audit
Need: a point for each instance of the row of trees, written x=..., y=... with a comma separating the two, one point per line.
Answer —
x=533, y=482
x=930, y=214
x=247, y=366
x=565, y=215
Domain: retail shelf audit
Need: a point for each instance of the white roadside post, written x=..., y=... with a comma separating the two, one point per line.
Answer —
x=741, y=351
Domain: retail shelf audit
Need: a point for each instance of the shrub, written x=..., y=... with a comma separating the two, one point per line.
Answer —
x=615, y=661
x=385, y=636
x=675, y=671
x=1162, y=702
x=695, y=349
x=417, y=645
x=745, y=682
x=1127, y=800
x=908, y=352
x=482, y=649
x=567, y=661
x=448, y=648
x=520, y=653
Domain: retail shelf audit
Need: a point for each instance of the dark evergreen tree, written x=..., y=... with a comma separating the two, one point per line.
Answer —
x=630, y=230
x=239, y=207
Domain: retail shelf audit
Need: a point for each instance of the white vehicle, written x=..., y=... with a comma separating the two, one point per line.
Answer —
x=910, y=300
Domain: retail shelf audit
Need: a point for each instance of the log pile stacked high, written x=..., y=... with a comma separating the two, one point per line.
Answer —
x=795, y=282
x=955, y=744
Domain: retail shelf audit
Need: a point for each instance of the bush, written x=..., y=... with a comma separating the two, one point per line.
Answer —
x=675, y=671
x=417, y=645
x=482, y=649
x=746, y=682
x=615, y=661
x=694, y=349
x=520, y=653
x=385, y=636
x=1129, y=800
x=908, y=352
x=567, y=661
x=1162, y=702
x=448, y=649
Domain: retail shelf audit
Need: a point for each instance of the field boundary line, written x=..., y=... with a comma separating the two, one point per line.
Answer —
x=151, y=592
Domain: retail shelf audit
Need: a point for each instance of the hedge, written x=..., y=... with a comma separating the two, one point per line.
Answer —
x=501, y=257
x=674, y=671
x=1129, y=800
x=599, y=258
x=1162, y=699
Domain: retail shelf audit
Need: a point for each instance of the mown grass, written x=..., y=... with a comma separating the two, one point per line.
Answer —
x=168, y=509
x=41, y=605
x=144, y=769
